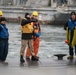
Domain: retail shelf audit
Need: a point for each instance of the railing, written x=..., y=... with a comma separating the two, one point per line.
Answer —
x=23, y=2
x=12, y=2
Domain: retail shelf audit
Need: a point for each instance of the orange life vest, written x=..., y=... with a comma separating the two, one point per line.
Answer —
x=36, y=27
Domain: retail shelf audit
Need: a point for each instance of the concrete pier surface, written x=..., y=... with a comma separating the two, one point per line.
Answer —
x=52, y=42
x=44, y=66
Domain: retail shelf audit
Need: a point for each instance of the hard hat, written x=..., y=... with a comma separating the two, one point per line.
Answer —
x=1, y=13
x=35, y=13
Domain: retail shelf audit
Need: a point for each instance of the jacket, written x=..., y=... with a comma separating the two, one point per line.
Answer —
x=26, y=36
x=4, y=35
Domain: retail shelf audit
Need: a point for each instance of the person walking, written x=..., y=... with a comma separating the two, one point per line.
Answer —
x=26, y=38
x=4, y=36
x=70, y=27
x=36, y=35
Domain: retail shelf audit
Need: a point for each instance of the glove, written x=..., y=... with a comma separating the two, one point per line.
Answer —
x=38, y=34
x=66, y=41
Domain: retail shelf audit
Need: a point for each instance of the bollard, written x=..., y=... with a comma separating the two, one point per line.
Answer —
x=60, y=56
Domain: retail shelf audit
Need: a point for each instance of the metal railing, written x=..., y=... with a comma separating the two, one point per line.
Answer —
x=12, y=2
x=23, y=2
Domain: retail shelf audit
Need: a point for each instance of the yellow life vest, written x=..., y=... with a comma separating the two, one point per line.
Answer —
x=74, y=38
x=28, y=28
x=68, y=35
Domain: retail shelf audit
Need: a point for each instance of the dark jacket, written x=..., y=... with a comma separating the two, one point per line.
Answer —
x=4, y=35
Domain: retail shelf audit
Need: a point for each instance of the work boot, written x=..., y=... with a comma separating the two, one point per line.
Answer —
x=37, y=57
x=34, y=58
x=70, y=57
x=21, y=59
x=4, y=62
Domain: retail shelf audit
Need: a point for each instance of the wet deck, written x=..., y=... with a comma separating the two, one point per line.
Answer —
x=49, y=62
x=47, y=66
x=52, y=42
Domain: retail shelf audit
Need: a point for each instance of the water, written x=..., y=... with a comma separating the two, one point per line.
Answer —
x=52, y=41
